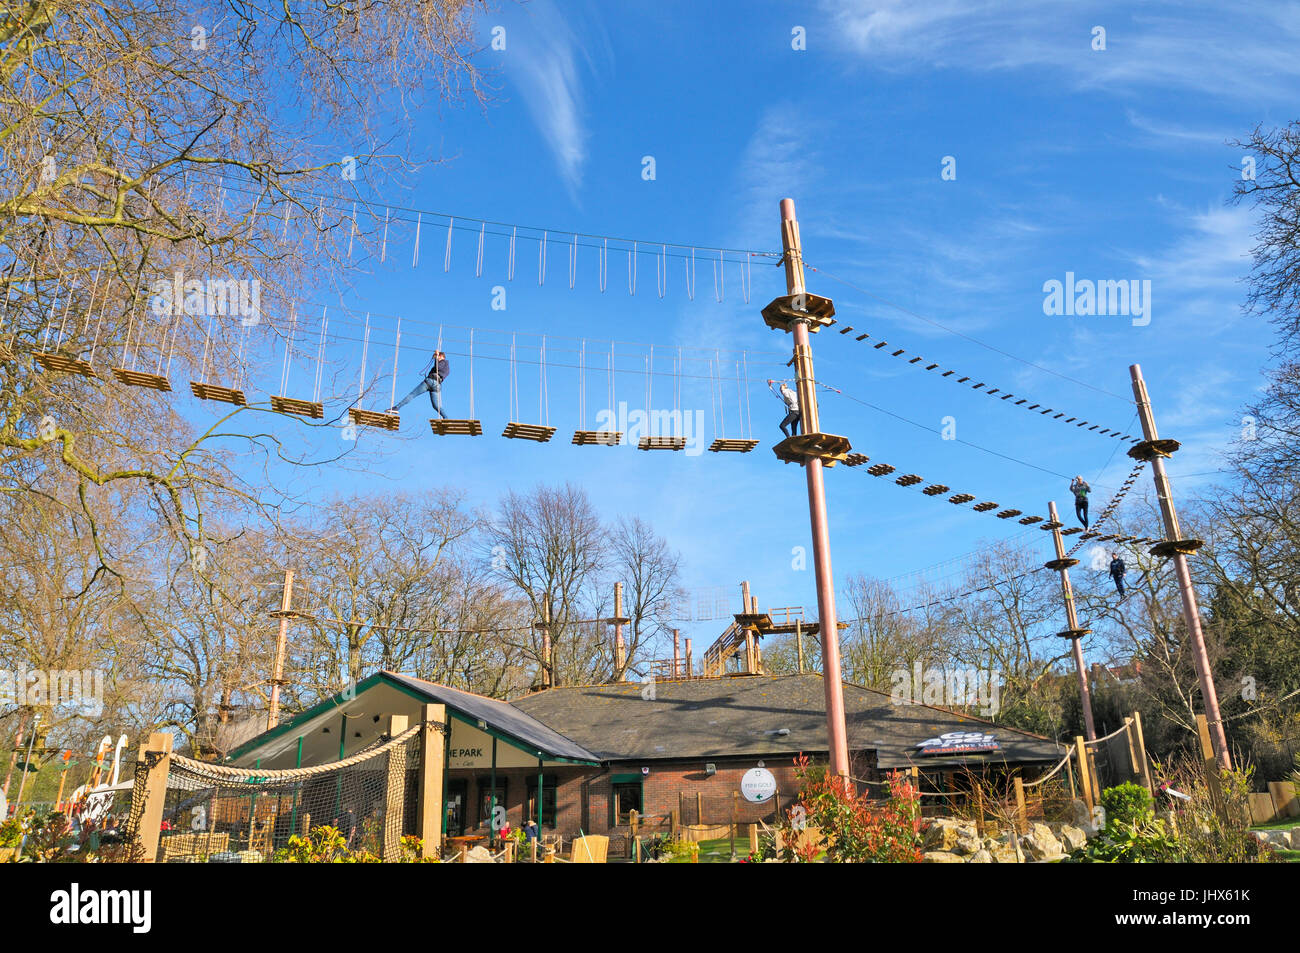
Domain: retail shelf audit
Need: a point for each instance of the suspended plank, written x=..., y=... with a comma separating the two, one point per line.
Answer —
x=960, y=498
x=518, y=431
x=880, y=469
x=52, y=361
x=856, y=459
x=1030, y=520
x=1007, y=514
x=456, y=428
x=142, y=379
x=661, y=443
x=374, y=418
x=597, y=438
x=227, y=395
x=909, y=479
x=984, y=507
x=728, y=445
x=302, y=408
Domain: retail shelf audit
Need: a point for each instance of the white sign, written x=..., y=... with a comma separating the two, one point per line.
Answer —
x=757, y=785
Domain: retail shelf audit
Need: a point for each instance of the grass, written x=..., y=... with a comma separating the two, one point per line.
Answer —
x=1283, y=825
x=717, y=851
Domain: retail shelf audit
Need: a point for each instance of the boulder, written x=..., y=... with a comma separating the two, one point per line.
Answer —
x=941, y=857
x=945, y=832
x=1041, y=844
x=980, y=856
x=479, y=855
x=968, y=842
x=1071, y=837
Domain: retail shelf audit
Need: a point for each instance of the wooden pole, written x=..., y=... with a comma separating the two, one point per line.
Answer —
x=430, y=800
x=1191, y=613
x=798, y=644
x=1211, y=766
x=1085, y=785
x=620, y=648
x=1022, y=813
x=281, y=643
x=699, y=807
x=394, y=792
x=1072, y=620
x=546, y=647
x=1143, y=764
x=677, y=665
x=632, y=819
x=689, y=667
x=837, y=733
x=148, y=800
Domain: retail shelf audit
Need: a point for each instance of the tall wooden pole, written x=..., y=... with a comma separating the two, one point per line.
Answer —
x=281, y=642
x=620, y=649
x=1173, y=537
x=837, y=734
x=546, y=644
x=1062, y=564
x=677, y=672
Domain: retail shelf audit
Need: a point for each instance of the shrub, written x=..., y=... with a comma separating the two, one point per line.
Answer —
x=1127, y=803
x=855, y=829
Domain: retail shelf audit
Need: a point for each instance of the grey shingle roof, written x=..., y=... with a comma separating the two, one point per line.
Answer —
x=759, y=715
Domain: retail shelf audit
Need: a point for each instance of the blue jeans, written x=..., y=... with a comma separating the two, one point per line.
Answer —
x=791, y=420
x=434, y=387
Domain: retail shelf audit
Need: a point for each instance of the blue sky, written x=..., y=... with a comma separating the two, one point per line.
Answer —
x=1110, y=164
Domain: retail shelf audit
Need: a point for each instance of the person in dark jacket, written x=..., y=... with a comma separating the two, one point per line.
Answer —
x=432, y=382
x=1117, y=572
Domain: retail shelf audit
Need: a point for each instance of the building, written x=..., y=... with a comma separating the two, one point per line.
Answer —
x=597, y=753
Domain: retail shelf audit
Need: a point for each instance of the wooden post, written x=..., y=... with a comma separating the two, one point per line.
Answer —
x=672, y=824
x=632, y=819
x=147, y=801
x=735, y=820
x=979, y=806
x=1211, y=767
x=532, y=848
x=1069, y=776
x=1081, y=755
x=304, y=826
x=620, y=648
x=1144, y=766
x=753, y=838
x=798, y=644
x=1022, y=813
x=699, y=807
x=1094, y=777
x=394, y=792
x=281, y=642
x=430, y=805
x=546, y=656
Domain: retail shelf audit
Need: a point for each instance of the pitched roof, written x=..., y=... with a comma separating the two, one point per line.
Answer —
x=760, y=715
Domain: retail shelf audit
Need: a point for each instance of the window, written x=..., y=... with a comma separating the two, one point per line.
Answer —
x=627, y=798
x=548, y=799
x=485, y=799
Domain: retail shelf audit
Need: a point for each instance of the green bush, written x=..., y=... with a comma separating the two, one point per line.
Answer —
x=1127, y=804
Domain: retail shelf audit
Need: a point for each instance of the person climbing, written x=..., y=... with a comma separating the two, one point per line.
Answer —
x=791, y=400
x=1080, y=489
x=1117, y=572
x=432, y=382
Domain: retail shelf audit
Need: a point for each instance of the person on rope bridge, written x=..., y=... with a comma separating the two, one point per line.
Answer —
x=1117, y=573
x=433, y=377
x=791, y=400
x=1079, y=487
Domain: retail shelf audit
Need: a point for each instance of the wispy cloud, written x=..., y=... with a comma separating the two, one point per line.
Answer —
x=546, y=61
x=1246, y=52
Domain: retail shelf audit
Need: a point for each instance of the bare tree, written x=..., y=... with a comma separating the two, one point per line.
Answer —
x=647, y=566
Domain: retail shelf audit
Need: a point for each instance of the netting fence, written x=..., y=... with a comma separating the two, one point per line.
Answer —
x=220, y=814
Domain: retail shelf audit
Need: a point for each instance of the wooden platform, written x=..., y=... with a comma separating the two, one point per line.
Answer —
x=729, y=445
x=374, y=418
x=597, y=438
x=661, y=443
x=456, y=428
x=784, y=311
x=1171, y=547
x=142, y=379
x=1150, y=449
x=303, y=408
x=227, y=395
x=53, y=361
x=829, y=448
x=1059, y=564
x=518, y=431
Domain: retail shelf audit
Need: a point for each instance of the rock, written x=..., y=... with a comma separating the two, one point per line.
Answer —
x=478, y=855
x=981, y=857
x=945, y=832
x=967, y=843
x=1004, y=854
x=940, y=857
x=1072, y=838
x=1041, y=844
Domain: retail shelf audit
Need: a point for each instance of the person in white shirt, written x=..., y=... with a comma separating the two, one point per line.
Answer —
x=790, y=425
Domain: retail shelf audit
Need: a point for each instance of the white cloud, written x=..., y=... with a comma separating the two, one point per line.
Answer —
x=1245, y=52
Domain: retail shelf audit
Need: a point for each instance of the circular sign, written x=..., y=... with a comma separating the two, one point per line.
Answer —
x=757, y=785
